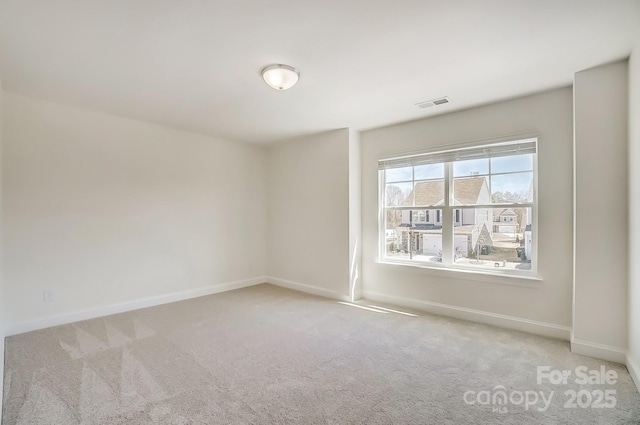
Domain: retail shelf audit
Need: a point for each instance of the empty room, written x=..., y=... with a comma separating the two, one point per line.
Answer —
x=330, y=212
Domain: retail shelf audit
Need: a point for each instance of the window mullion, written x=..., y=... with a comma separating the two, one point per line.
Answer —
x=447, y=217
x=413, y=185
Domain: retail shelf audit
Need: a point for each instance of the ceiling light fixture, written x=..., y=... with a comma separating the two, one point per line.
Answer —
x=280, y=77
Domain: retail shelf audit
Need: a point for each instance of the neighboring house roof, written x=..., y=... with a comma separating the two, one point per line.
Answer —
x=427, y=193
x=431, y=193
x=467, y=190
x=423, y=226
x=497, y=212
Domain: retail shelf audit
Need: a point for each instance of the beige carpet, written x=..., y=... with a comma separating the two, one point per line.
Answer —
x=265, y=355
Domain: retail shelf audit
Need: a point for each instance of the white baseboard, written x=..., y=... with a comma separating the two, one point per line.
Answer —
x=599, y=351
x=1, y=369
x=634, y=370
x=62, y=319
x=511, y=322
x=309, y=289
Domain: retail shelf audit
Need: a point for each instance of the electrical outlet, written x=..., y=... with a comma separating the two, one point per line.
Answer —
x=48, y=295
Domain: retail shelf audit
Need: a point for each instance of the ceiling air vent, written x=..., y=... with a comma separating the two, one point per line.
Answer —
x=433, y=102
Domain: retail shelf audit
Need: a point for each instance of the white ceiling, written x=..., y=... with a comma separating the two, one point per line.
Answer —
x=195, y=64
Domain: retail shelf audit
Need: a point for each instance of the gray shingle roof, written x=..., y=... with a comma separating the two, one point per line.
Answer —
x=431, y=193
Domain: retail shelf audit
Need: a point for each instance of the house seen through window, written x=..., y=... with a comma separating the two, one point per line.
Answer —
x=471, y=207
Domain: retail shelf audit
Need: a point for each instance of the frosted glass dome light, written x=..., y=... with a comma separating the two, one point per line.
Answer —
x=280, y=77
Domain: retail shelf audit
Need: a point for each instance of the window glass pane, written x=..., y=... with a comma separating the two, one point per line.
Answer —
x=494, y=238
x=393, y=233
x=419, y=216
x=471, y=190
x=506, y=164
x=413, y=240
x=392, y=224
x=429, y=245
x=429, y=192
x=430, y=171
x=471, y=167
x=422, y=218
x=511, y=188
x=398, y=174
x=398, y=194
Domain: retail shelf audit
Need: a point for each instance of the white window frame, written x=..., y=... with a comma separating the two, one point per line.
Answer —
x=448, y=211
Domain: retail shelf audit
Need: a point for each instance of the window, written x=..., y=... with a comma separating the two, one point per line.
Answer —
x=483, y=199
x=419, y=216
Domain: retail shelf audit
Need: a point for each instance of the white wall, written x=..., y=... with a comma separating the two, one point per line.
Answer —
x=548, y=114
x=308, y=214
x=355, y=216
x=3, y=302
x=104, y=210
x=601, y=249
x=633, y=357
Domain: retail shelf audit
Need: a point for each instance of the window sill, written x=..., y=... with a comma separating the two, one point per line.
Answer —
x=528, y=279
